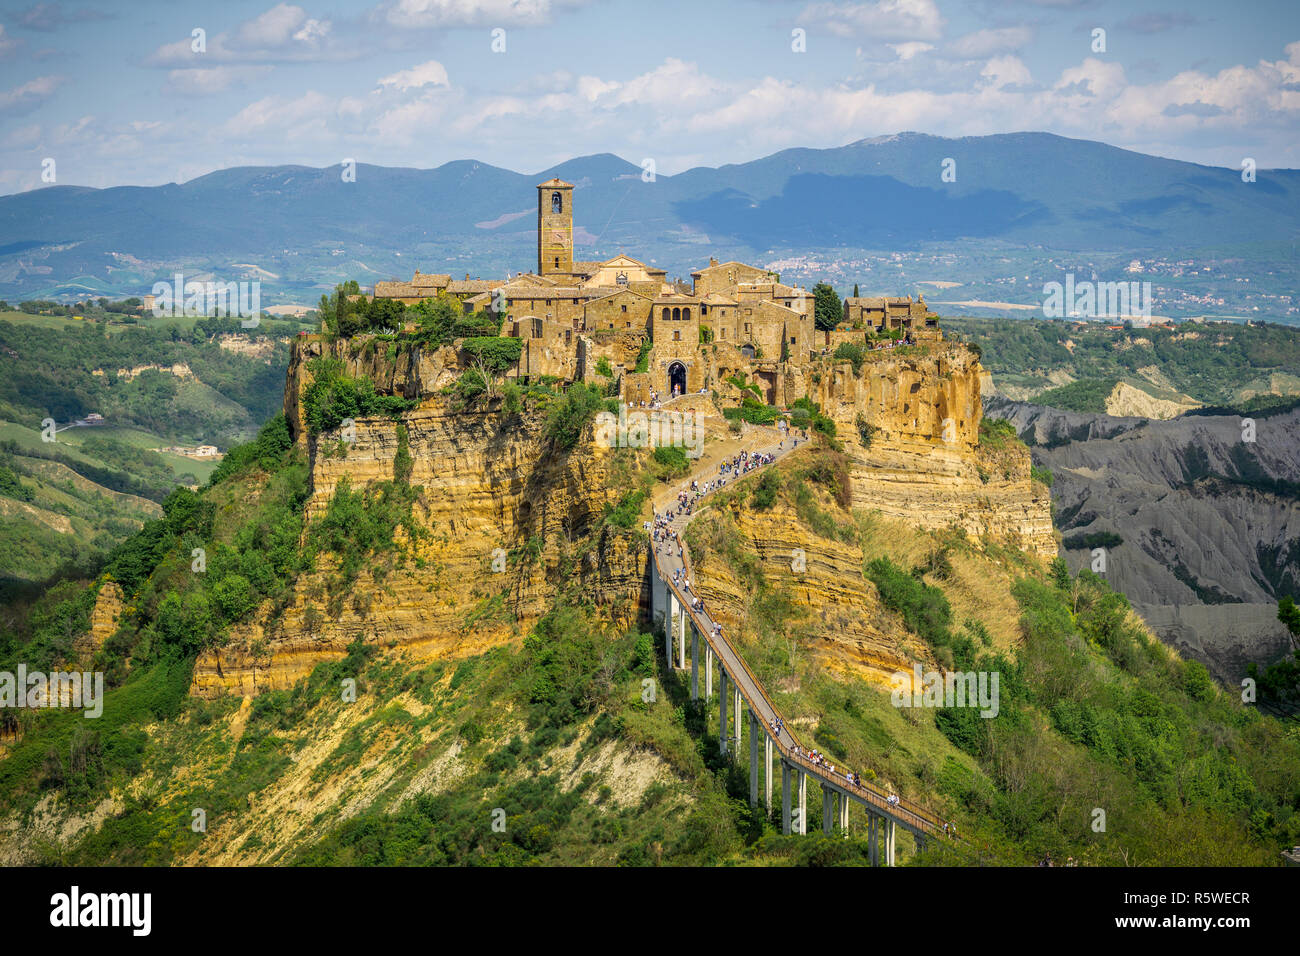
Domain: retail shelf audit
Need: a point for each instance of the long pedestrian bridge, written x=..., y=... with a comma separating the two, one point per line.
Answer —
x=741, y=696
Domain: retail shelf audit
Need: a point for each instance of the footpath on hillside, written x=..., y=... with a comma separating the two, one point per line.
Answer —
x=723, y=464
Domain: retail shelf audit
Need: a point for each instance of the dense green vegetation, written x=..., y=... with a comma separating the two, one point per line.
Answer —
x=997, y=433
x=1095, y=539
x=1279, y=682
x=828, y=310
x=754, y=411
x=856, y=354
x=1093, y=712
x=1085, y=396
x=569, y=417
x=49, y=372
x=334, y=396
x=1212, y=363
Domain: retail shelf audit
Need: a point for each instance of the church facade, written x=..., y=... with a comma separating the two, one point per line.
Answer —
x=593, y=321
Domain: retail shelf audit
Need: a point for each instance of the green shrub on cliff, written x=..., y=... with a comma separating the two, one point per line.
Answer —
x=333, y=396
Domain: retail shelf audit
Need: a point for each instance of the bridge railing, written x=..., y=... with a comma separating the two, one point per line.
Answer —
x=911, y=813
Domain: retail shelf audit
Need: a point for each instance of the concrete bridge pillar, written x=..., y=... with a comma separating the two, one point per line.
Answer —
x=803, y=803
x=656, y=595
x=828, y=812
x=671, y=613
x=695, y=662
x=873, y=837
x=722, y=712
x=683, y=622
x=737, y=703
x=891, y=835
x=753, y=759
x=785, y=798
x=844, y=815
x=767, y=774
x=708, y=672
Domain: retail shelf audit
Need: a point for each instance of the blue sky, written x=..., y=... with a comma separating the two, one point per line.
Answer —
x=116, y=94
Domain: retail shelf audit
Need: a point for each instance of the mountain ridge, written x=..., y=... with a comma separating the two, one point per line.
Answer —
x=1027, y=191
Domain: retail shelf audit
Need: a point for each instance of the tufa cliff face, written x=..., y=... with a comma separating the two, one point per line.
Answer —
x=910, y=424
x=502, y=519
x=103, y=622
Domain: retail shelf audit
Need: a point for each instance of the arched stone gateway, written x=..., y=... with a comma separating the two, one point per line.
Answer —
x=676, y=379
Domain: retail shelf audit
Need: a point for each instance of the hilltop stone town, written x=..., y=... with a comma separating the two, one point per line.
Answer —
x=572, y=316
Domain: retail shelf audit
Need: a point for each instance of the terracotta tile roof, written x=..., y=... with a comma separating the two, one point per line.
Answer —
x=398, y=290
x=553, y=183
x=471, y=286
x=436, y=279
x=725, y=265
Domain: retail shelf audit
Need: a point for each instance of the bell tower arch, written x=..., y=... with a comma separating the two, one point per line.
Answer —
x=554, y=227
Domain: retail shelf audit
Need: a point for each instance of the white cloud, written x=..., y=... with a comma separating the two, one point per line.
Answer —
x=986, y=43
x=310, y=113
x=1006, y=70
x=430, y=73
x=281, y=26
x=671, y=83
x=907, y=51
x=883, y=20
x=591, y=88
x=283, y=33
x=423, y=14
x=27, y=96
x=216, y=79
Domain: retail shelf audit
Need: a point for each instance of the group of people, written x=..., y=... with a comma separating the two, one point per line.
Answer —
x=666, y=537
x=743, y=463
x=689, y=497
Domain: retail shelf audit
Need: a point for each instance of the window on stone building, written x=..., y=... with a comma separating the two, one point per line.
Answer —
x=667, y=313
x=686, y=314
x=677, y=335
x=625, y=308
x=557, y=204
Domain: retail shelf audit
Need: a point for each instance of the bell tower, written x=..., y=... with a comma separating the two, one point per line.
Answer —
x=554, y=227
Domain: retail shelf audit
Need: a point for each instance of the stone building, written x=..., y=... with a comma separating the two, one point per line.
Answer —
x=577, y=318
x=887, y=314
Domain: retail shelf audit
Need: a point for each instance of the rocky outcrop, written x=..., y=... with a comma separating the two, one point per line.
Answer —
x=502, y=519
x=410, y=372
x=1208, y=520
x=835, y=608
x=1126, y=400
x=911, y=425
x=103, y=622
